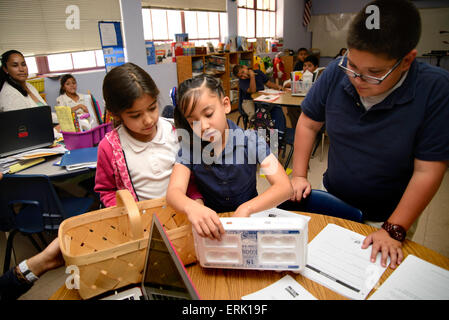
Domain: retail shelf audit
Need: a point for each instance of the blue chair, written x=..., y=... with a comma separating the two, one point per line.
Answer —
x=30, y=205
x=324, y=203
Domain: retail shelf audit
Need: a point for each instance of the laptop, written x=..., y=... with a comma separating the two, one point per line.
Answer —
x=25, y=129
x=164, y=277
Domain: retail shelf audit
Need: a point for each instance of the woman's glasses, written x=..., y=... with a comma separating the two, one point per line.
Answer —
x=368, y=79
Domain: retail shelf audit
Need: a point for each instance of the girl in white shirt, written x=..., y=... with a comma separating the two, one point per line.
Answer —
x=80, y=103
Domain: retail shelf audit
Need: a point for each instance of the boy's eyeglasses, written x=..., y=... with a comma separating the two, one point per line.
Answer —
x=368, y=79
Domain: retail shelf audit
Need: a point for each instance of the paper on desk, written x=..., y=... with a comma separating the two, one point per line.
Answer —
x=271, y=91
x=278, y=213
x=286, y=288
x=415, y=279
x=266, y=98
x=335, y=259
x=38, y=153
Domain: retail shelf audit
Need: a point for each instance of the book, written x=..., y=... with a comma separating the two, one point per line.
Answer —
x=65, y=118
x=80, y=158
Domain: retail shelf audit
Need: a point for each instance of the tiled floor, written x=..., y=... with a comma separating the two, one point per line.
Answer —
x=432, y=229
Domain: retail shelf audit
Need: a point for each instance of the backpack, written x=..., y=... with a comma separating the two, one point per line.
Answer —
x=261, y=120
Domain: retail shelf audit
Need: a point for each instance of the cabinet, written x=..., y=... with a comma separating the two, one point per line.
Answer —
x=218, y=64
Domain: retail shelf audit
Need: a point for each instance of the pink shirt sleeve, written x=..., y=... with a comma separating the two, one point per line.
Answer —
x=104, y=178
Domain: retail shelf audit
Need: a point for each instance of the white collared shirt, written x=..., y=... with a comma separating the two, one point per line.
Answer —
x=150, y=163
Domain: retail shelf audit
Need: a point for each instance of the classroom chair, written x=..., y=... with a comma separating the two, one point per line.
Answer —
x=290, y=140
x=324, y=203
x=243, y=116
x=30, y=205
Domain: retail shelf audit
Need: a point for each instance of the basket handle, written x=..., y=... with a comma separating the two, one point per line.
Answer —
x=125, y=199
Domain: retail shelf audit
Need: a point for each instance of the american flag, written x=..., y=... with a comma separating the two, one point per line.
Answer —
x=307, y=12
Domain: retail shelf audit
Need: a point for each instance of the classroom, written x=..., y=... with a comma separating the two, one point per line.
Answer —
x=100, y=67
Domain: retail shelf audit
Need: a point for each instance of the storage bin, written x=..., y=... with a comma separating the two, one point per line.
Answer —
x=108, y=246
x=86, y=139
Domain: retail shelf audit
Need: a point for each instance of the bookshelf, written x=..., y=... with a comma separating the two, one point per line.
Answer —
x=218, y=64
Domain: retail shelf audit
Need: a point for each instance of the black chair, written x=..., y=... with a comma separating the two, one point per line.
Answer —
x=243, y=115
x=30, y=205
x=322, y=202
x=168, y=111
x=290, y=140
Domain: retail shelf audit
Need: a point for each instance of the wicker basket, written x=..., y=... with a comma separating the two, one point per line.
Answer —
x=109, y=245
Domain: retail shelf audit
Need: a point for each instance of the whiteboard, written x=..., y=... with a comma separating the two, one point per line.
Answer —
x=329, y=31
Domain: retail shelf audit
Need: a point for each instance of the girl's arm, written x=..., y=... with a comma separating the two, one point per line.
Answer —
x=104, y=177
x=204, y=220
x=279, y=191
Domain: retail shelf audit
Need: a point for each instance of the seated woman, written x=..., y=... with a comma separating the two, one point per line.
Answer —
x=15, y=92
x=80, y=103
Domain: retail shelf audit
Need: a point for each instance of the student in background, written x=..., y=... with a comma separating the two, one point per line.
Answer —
x=386, y=116
x=341, y=53
x=311, y=63
x=140, y=152
x=302, y=54
x=15, y=92
x=80, y=103
x=225, y=165
x=251, y=81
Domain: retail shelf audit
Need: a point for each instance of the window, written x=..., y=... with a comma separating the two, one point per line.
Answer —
x=201, y=26
x=32, y=65
x=69, y=62
x=257, y=18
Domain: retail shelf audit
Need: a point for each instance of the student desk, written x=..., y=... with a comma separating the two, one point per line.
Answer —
x=232, y=284
x=53, y=172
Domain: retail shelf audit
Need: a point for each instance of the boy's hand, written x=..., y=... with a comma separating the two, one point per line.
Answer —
x=242, y=212
x=387, y=246
x=301, y=188
x=251, y=73
x=205, y=221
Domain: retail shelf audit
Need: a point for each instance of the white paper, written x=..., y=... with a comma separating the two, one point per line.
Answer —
x=108, y=36
x=286, y=288
x=278, y=213
x=271, y=91
x=415, y=279
x=336, y=260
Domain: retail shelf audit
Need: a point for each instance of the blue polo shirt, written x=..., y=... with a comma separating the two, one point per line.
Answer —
x=229, y=179
x=371, y=153
x=260, y=79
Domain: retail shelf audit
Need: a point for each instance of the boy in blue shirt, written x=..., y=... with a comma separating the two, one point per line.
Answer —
x=386, y=116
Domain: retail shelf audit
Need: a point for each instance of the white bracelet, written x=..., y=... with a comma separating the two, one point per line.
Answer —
x=27, y=273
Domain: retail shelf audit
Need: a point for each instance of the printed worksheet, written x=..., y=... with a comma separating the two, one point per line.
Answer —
x=337, y=261
x=286, y=288
x=415, y=279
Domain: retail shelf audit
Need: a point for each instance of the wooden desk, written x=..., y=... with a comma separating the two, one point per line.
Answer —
x=231, y=284
x=285, y=99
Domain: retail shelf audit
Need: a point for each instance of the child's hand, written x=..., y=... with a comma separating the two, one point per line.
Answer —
x=205, y=221
x=301, y=188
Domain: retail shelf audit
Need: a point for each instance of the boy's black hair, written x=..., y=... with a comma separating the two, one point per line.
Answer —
x=313, y=59
x=398, y=33
x=302, y=49
x=4, y=77
x=124, y=84
x=236, y=69
x=63, y=80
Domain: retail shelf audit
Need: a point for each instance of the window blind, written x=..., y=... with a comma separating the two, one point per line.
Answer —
x=194, y=5
x=38, y=27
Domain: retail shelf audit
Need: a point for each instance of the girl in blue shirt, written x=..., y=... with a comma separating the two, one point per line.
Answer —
x=223, y=158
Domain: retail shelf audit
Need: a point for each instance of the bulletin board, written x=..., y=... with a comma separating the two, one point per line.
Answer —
x=111, y=43
x=329, y=31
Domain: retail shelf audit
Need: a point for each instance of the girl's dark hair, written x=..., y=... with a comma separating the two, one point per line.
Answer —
x=187, y=97
x=4, y=77
x=124, y=84
x=63, y=80
x=398, y=33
